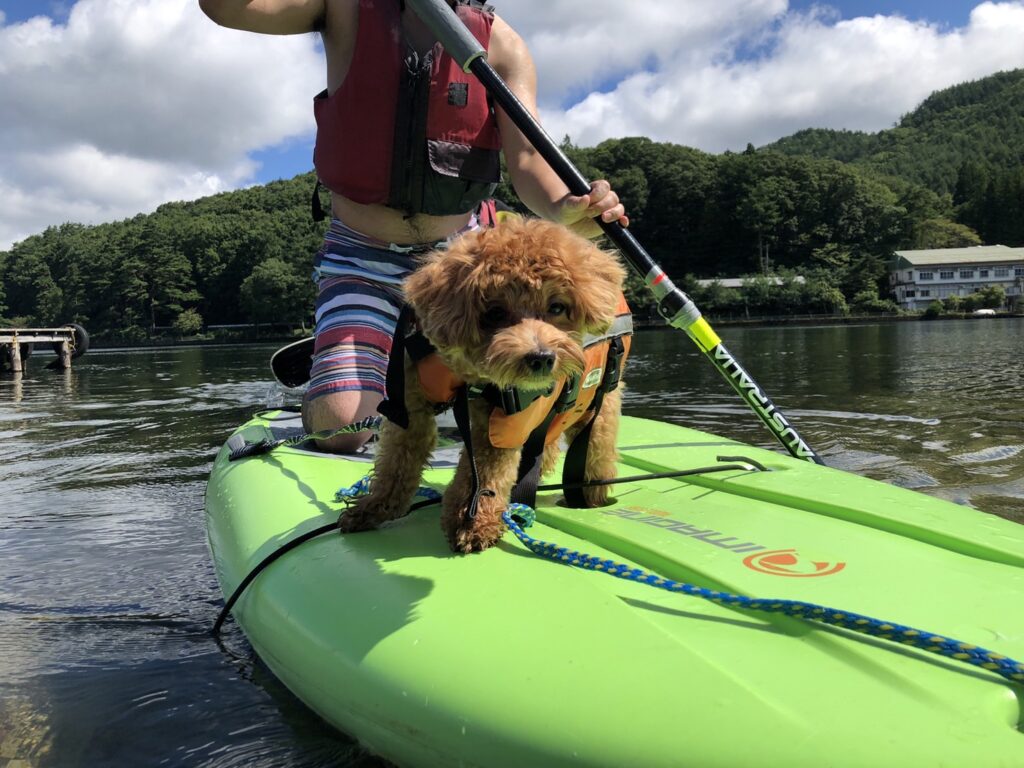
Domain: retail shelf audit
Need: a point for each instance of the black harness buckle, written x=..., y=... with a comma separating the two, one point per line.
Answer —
x=512, y=400
x=613, y=364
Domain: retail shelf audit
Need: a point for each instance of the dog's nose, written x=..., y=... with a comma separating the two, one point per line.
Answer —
x=540, y=362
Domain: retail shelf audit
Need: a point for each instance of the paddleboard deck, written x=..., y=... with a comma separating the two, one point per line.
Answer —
x=504, y=658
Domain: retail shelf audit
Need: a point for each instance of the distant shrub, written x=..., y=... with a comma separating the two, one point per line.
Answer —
x=868, y=302
x=188, y=323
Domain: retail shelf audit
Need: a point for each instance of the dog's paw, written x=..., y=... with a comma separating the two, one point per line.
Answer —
x=365, y=514
x=468, y=535
x=597, y=495
x=352, y=523
x=471, y=539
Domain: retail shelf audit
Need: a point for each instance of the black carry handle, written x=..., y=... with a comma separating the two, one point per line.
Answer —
x=674, y=305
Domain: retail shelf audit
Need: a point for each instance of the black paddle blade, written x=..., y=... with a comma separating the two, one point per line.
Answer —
x=291, y=364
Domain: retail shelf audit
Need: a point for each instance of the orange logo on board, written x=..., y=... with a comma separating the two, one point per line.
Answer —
x=786, y=562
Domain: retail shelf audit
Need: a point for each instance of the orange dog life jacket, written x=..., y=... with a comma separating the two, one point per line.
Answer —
x=516, y=414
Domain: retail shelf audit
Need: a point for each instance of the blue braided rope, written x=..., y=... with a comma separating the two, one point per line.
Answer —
x=362, y=487
x=886, y=630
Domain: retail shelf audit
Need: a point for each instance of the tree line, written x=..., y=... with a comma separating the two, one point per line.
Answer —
x=833, y=219
x=237, y=257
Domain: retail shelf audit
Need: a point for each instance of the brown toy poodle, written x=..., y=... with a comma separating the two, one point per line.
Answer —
x=507, y=306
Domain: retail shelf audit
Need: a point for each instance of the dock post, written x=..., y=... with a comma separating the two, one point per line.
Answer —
x=64, y=356
x=14, y=350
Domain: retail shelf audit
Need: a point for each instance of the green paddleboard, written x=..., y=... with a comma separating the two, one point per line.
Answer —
x=505, y=658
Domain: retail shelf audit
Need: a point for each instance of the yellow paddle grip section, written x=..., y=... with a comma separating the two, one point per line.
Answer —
x=704, y=335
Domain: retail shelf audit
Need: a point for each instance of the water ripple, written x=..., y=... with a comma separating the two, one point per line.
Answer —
x=995, y=453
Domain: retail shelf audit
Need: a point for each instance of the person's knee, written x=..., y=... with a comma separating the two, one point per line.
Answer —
x=333, y=411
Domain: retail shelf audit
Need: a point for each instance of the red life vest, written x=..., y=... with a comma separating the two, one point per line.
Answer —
x=415, y=134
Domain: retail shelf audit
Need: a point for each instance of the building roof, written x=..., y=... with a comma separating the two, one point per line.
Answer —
x=979, y=254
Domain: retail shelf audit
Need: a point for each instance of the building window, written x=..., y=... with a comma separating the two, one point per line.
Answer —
x=910, y=275
x=982, y=273
x=925, y=293
x=1002, y=271
x=924, y=276
x=945, y=274
x=1018, y=271
x=909, y=294
x=966, y=274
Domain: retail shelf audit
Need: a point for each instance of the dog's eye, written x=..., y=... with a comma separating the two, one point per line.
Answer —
x=495, y=316
x=558, y=309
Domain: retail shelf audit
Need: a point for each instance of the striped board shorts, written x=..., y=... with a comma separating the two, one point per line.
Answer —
x=359, y=297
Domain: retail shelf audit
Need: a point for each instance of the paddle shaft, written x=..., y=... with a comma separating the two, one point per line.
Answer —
x=673, y=304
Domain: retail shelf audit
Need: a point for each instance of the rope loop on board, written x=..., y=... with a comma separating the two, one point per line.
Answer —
x=931, y=642
x=266, y=445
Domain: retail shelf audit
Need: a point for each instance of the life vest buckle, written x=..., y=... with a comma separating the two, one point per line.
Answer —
x=513, y=400
x=613, y=366
x=567, y=399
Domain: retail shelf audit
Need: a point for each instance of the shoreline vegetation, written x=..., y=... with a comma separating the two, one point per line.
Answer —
x=248, y=336
x=810, y=222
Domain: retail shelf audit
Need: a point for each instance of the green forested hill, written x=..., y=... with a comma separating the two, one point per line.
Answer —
x=829, y=205
x=980, y=122
x=245, y=256
x=236, y=257
x=966, y=141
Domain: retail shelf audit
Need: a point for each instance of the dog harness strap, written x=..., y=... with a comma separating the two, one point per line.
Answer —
x=575, y=465
x=393, y=407
x=530, y=460
x=461, y=412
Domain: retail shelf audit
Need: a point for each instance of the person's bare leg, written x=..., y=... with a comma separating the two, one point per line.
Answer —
x=335, y=410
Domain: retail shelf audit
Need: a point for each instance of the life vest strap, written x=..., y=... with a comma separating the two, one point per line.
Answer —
x=461, y=409
x=575, y=465
x=393, y=407
x=530, y=461
x=316, y=208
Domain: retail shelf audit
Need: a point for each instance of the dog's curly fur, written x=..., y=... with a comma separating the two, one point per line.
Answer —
x=507, y=306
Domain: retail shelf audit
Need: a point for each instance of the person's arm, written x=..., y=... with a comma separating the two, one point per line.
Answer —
x=271, y=17
x=537, y=185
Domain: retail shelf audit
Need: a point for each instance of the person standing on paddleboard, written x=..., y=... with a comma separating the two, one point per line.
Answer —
x=408, y=145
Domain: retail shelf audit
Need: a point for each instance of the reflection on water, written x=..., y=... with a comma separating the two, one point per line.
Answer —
x=107, y=593
x=937, y=406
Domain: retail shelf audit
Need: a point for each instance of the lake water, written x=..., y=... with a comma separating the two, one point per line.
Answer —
x=107, y=594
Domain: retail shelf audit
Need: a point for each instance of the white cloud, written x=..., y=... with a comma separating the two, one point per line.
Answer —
x=858, y=74
x=581, y=43
x=131, y=103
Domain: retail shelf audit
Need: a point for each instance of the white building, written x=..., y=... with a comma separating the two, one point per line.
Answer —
x=918, y=278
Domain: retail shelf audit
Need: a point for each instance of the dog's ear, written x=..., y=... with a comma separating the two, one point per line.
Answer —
x=440, y=294
x=597, y=279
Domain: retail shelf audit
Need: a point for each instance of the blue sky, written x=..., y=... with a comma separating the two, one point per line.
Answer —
x=948, y=11
x=126, y=104
x=19, y=10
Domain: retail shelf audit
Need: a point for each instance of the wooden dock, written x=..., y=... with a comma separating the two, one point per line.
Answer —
x=16, y=345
